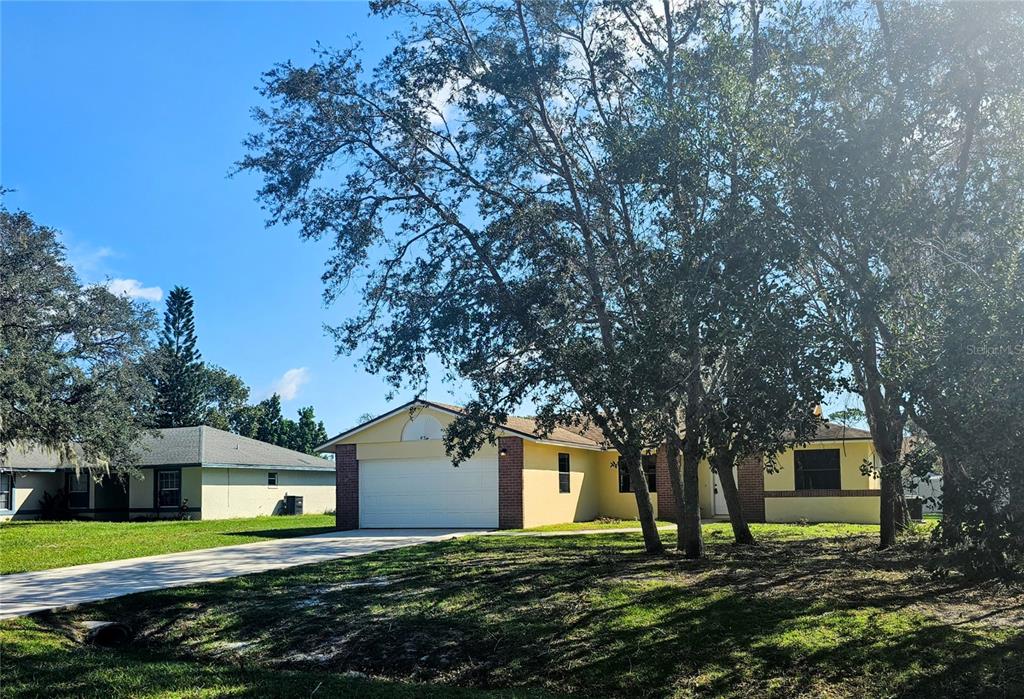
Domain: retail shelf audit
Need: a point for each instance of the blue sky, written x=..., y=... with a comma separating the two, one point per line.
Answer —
x=120, y=123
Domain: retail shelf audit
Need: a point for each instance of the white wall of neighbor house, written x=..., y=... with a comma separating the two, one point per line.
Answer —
x=246, y=492
x=140, y=492
x=29, y=488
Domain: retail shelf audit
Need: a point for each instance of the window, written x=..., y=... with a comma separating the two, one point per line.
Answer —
x=6, y=491
x=168, y=488
x=817, y=469
x=624, y=485
x=422, y=426
x=649, y=462
x=563, y=473
x=78, y=491
x=650, y=466
x=272, y=479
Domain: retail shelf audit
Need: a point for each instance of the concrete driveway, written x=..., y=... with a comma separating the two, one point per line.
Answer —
x=24, y=593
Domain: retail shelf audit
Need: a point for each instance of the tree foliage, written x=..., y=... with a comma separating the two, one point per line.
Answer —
x=224, y=395
x=266, y=422
x=965, y=368
x=70, y=378
x=180, y=377
x=906, y=135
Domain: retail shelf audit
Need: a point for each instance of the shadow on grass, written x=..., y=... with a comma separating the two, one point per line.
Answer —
x=39, y=664
x=592, y=615
x=285, y=533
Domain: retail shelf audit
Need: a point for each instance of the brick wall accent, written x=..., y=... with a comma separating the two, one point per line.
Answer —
x=822, y=493
x=666, y=498
x=750, y=484
x=346, y=512
x=510, y=482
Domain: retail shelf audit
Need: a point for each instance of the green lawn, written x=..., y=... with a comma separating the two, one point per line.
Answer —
x=33, y=545
x=814, y=611
x=603, y=523
x=719, y=529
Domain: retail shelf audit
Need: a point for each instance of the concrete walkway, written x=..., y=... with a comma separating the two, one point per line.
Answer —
x=24, y=593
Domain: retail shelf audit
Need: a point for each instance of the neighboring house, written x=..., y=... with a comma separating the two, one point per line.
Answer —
x=392, y=471
x=929, y=489
x=198, y=472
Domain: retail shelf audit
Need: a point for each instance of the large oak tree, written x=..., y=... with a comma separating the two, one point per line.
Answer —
x=70, y=355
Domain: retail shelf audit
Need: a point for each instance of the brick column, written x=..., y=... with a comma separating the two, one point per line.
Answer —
x=510, y=482
x=666, y=498
x=346, y=512
x=750, y=483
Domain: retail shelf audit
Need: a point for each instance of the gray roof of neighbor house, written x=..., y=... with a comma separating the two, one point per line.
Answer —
x=188, y=446
x=587, y=438
x=208, y=446
x=34, y=459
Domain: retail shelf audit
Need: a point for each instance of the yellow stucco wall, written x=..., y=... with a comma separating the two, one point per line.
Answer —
x=390, y=429
x=243, y=492
x=542, y=503
x=851, y=455
x=612, y=503
x=857, y=510
x=623, y=505
x=384, y=440
x=706, y=489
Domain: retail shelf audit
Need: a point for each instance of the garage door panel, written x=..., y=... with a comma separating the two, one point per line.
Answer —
x=428, y=493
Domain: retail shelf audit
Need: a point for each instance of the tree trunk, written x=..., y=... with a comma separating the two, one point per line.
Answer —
x=740, y=529
x=902, y=508
x=644, y=509
x=953, y=500
x=675, y=475
x=892, y=494
x=886, y=423
x=692, y=540
x=891, y=487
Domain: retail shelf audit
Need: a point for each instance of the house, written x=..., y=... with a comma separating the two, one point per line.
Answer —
x=392, y=471
x=198, y=472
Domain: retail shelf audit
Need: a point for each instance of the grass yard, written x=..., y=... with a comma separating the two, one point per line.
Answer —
x=34, y=545
x=603, y=523
x=814, y=611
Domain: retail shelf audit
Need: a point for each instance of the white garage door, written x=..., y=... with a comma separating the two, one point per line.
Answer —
x=428, y=493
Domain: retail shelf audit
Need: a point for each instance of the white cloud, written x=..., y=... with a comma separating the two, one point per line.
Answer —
x=443, y=107
x=288, y=385
x=89, y=261
x=133, y=288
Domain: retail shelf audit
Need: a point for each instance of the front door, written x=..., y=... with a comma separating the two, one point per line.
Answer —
x=721, y=509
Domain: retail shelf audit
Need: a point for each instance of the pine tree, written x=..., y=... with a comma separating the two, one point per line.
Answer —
x=308, y=432
x=179, y=386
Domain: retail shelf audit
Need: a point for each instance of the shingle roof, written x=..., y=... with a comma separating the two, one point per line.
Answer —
x=186, y=446
x=34, y=458
x=831, y=431
x=208, y=446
